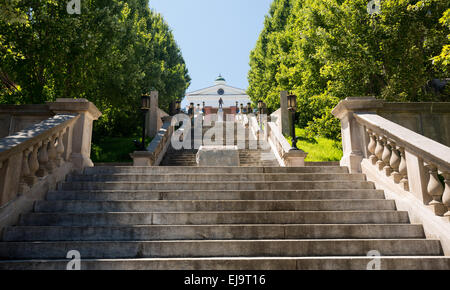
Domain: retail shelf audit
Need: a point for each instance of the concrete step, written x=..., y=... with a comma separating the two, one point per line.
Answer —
x=216, y=205
x=212, y=177
x=218, y=195
x=214, y=232
x=219, y=248
x=233, y=263
x=188, y=164
x=230, y=185
x=197, y=170
x=209, y=218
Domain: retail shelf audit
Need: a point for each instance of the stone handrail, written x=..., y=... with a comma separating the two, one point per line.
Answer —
x=428, y=149
x=269, y=134
x=253, y=126
x=157, y=148
x=287, y=157
x=403, y=155
x=34, y=158
x=33, y=154
x=394, y=155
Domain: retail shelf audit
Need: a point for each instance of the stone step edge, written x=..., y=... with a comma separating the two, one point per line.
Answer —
x=221, y=174
x=216, y=200
x=213, y=190
x=227, y=182
x=241, y=263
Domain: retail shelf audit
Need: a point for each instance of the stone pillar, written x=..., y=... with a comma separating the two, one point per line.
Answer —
x=295, y=158
x=353, y=135
x=82, y=130
x=154, y=119
x=284, y=114
x=417, y=177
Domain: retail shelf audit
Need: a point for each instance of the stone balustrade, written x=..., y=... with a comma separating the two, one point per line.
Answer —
x=287, y=157
x=409, y=160
x=34, y=153
x=35, y=159
x=157, y=148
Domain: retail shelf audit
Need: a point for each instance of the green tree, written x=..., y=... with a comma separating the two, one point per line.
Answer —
x=110, y=54
x=327, y=50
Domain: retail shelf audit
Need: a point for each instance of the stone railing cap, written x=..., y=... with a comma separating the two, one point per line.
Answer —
x=35, y=133
x=353, y=104
x=296, y=153
x=429, y=150
x=65, y=105
x=280, y=138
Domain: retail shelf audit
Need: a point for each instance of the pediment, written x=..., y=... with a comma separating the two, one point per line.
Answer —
x=228, y=90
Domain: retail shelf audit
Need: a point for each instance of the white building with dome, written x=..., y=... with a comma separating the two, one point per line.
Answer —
x=211, y=95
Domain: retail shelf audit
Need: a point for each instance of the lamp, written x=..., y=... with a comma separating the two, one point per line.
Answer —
x=260, y=105
x=145, y=101
x=242, y=108
x=292, y=102
x=292, y=107
x=145, y=106
x=249, y=108
x=191, y=110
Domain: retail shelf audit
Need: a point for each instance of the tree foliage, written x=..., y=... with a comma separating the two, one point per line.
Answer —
x=111, y=53
x=327, y=50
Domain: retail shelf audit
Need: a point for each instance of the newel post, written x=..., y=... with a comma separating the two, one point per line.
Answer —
x=353, y=134
x=81, y=136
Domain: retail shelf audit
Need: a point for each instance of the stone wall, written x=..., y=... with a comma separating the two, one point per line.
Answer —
x=14, y=118
x=431, y=120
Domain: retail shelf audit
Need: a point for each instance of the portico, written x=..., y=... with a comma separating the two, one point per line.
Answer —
x=208, y=98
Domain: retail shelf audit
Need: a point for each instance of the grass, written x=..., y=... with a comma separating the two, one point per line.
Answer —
x=113, y=149
x=118, y=149
x=319, y=148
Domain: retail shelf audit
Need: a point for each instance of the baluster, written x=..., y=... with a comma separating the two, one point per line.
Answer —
x=43, y=159
x=23, y=186
x=52, y=154
x=371, y=147
x=394, y=162
x=379, y=152
x=33, y=165
x=402, y=169
x=387, y=157
x=434, y=188
x=446, y=195
x=60, y=148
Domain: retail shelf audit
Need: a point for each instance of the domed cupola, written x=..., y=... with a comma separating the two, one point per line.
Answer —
x=220, y=80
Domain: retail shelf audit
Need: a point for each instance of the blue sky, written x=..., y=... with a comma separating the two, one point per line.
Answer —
x=215, y=36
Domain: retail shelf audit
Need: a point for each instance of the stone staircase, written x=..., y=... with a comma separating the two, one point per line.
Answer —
x=248, y=157
x=214, y=218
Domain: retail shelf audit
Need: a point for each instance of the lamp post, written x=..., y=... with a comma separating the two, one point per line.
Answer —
x=260, y=110
x=242, y=109
x=178, y=107
x=145, y=106
x=203, y=108
x=249, y=108
x=191, y=113
x=191, y=110
x=237, y=104
x=292, y=107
